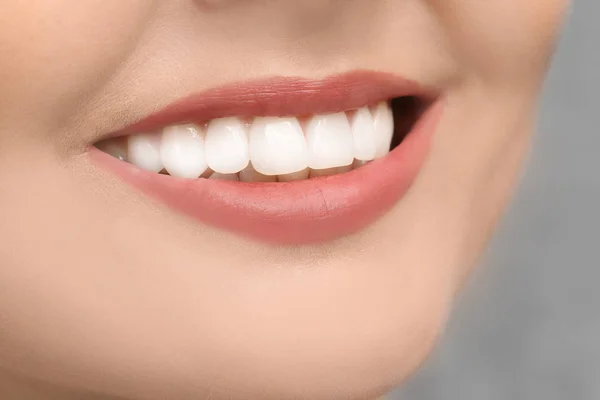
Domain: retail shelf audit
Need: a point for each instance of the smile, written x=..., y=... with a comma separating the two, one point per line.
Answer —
x=284, y=160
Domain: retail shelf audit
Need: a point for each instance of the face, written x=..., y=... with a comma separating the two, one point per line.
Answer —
x=204, y=281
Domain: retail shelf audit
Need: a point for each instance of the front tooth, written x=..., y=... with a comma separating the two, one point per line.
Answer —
x=227, y=145
x=330, y=141
x=277, y=146
x=363, y=134
x=144, y=151
x=315, y=173
x=383, y=119
x=182, y=151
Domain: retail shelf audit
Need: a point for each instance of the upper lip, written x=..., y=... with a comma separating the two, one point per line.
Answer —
x=284, y=96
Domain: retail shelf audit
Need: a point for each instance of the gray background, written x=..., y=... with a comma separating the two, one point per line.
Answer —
x=528, y=326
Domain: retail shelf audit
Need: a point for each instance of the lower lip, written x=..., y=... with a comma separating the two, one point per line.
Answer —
x=301, y=212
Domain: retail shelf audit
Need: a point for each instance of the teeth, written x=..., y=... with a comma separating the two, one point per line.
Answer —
x=329, y=140
x=315, y=173
x=294, y=176
x=363, y=134
x=347, y=168
x=249, y=174
x=277, y=146
x=227, y=145
x=384, y=128
x=144, y=151
x=265, y=149
x=224, y=177
x=358, y=163
x=182, y=151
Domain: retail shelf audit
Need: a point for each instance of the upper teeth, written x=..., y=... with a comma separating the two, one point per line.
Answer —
x=267, y=145
x=182, y=151
x=330, y=141
x=278, y=146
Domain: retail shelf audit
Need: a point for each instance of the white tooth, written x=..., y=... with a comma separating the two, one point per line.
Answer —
x=277, y=146
x=182, y=151
x=363, y=134
x=227, y=145
x=224, y=177
x=144, y=151
x=329, y=139
x=249, y=174
x=384, y=128
x=295, y=176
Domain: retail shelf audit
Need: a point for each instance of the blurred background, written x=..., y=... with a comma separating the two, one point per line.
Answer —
x=528, y=324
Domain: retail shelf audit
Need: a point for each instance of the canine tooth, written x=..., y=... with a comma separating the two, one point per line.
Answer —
x=363, y=134
x=294, y=176
x=227, y=145
x=249, y=174
x=224, y=177
x=277, y=146
x=144, y=151
x=182, y=151
x=383, y=119
x=329, y=139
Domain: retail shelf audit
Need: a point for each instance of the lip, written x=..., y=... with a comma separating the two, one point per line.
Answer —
x=300, y=212
x=284, y=96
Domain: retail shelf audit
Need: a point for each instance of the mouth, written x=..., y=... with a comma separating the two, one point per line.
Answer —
x=283, y=160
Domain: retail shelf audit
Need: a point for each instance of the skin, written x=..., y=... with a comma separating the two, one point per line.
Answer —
x=105, y=294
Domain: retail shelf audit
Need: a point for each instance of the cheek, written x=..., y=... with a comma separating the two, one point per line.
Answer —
x=503, y=38
x=54, y=54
